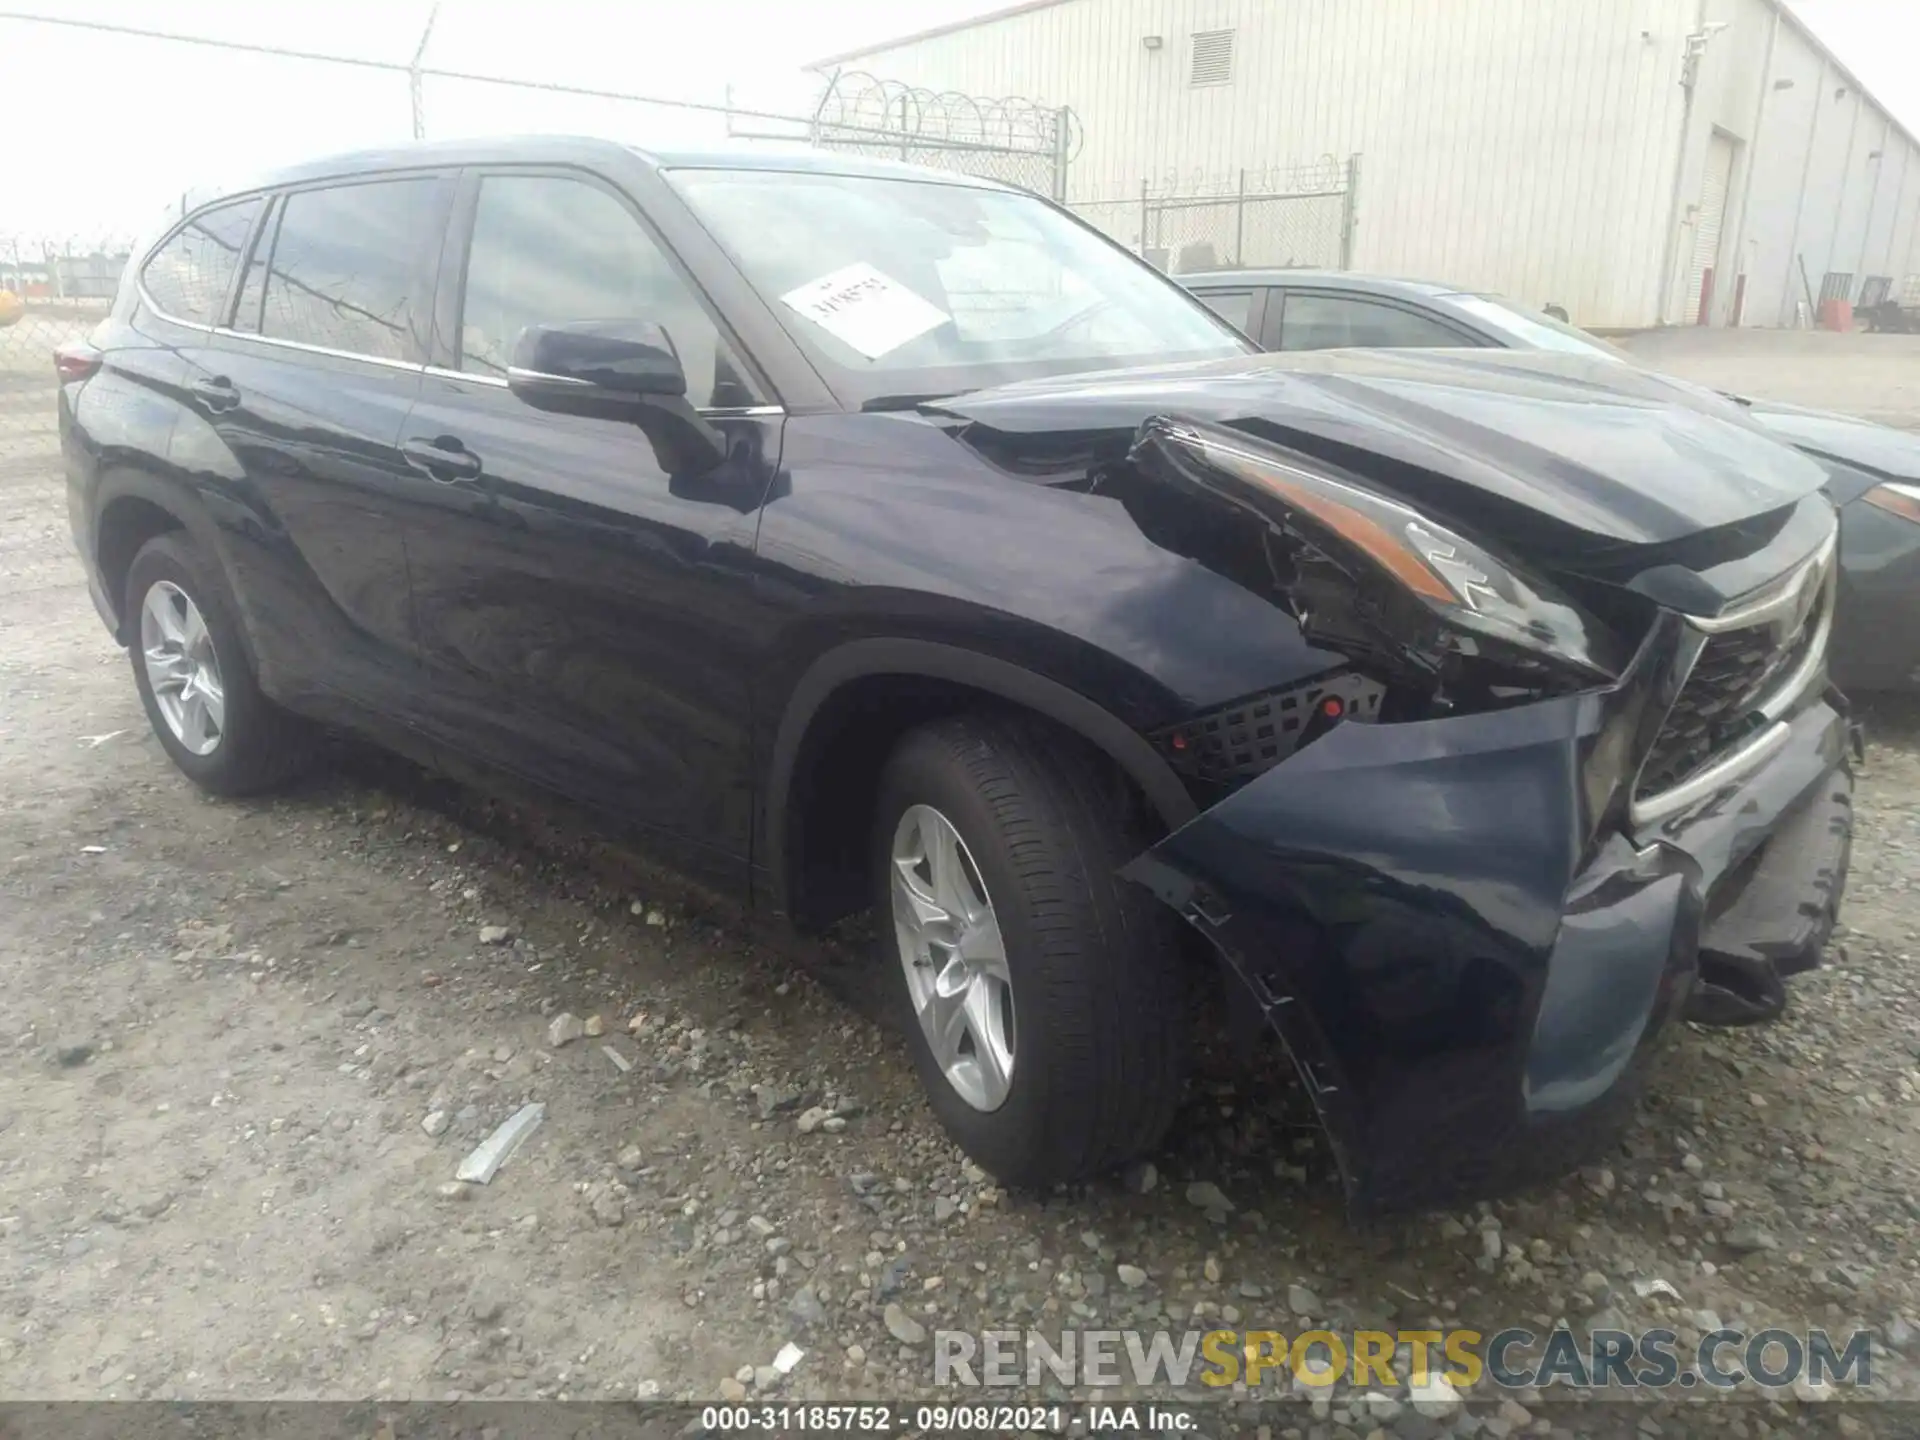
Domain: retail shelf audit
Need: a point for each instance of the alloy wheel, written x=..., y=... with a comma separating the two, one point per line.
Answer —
x=954, y=957
x=183, y=669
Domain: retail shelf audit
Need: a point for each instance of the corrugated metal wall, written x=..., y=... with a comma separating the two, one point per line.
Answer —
x=1543, y=148
x=1825, y=175
x=1503, y=142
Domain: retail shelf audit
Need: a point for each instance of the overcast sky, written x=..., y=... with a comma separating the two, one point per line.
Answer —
x=98, y=131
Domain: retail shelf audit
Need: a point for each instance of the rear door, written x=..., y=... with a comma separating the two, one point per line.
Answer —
x=309, y=386
x=146, y=403
x=586, y=619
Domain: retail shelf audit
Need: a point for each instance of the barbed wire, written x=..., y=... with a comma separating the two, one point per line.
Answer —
x=857, y=102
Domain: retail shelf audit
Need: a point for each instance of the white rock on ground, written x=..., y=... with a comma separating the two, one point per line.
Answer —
x=902, y=1326
x=1436, y=1399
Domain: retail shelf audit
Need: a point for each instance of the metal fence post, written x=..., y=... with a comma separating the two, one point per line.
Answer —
x=1240, y=221
x=1349, y=213
x=1062, y=126
x=1143, y=218
x=416, y=88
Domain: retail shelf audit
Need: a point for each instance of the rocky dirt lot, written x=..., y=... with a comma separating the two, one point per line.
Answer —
x=244, y=1048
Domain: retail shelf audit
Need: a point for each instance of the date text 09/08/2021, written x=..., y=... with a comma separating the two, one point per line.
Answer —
x=883, y=1418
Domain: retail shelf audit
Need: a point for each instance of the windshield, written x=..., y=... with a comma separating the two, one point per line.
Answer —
x=1531, y=330
x=902, y=287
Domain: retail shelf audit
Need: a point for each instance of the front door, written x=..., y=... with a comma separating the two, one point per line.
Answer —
x=585, y=618
x=308, y=386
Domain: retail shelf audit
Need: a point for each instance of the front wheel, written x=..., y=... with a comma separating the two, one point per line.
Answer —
x=193, y=677
x=1041, y=994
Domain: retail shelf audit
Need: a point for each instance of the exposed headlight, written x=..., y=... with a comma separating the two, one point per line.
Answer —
x=1896, y=499
x=1461, y=583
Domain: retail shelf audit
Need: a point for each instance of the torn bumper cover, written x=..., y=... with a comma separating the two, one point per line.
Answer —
x=1469, y=987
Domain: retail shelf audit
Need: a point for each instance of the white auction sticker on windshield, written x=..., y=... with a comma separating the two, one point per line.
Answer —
x=860, y=307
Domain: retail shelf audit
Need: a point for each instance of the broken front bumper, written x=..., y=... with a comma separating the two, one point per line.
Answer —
x=1468, y=949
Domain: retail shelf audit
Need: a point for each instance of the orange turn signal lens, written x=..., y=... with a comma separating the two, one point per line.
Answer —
x=1361, y=531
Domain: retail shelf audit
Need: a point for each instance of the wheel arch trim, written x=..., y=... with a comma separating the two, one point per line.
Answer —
x=862, y=659
x=190, y=514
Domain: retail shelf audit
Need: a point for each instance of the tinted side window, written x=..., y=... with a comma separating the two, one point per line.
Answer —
x=1327, y=322
x=1233, y=306
x=548, y=249
x=188, y=277
x=345, y=270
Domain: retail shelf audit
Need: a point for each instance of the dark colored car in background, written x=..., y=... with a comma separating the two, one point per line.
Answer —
x=1875, y=469
x=856, y=536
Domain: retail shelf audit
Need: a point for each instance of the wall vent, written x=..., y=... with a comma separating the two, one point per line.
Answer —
x=1212, y=58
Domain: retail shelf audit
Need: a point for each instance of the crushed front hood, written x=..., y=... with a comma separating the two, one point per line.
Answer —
x=1561, y=451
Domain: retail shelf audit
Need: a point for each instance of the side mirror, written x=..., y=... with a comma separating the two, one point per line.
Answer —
x=617, y=370
x=595, y=367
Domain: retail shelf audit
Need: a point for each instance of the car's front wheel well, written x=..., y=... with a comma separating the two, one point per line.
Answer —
x=836, y=781
x=127, y=523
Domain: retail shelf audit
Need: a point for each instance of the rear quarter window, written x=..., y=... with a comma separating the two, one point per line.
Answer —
x=189, y=276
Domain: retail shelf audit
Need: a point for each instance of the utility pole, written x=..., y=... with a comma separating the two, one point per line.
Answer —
x=414, y=85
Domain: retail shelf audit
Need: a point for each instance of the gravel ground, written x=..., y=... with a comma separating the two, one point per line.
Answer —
x=245, y=1047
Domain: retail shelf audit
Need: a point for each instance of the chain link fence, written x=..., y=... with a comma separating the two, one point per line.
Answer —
x=50, y=294
x=1269, y=218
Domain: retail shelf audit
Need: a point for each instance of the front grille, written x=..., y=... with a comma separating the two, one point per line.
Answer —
x=1735, y=674
x=1712, y=712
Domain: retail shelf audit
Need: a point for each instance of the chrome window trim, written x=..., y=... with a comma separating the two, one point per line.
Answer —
x=412, y=366
x=711, y=412
x=445, y=374
x=140, y=287
x=541, y=377
x=227, y=332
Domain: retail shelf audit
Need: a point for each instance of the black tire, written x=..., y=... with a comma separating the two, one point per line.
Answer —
x=260, y=745
x=1094, y=961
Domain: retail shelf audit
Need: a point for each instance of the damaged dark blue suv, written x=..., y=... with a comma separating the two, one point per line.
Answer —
x=864, y=537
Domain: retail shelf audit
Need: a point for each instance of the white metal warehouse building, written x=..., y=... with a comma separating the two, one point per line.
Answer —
x=1635, y=162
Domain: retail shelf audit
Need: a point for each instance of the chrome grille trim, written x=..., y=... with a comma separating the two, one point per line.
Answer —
x=1782, y=594
x=1811, y=585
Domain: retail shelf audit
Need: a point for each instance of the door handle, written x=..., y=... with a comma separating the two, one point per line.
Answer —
x=443, y=457
x=217, y=394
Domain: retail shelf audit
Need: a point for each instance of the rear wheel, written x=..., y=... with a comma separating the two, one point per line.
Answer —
x=1041, y=994
x=192, y=674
